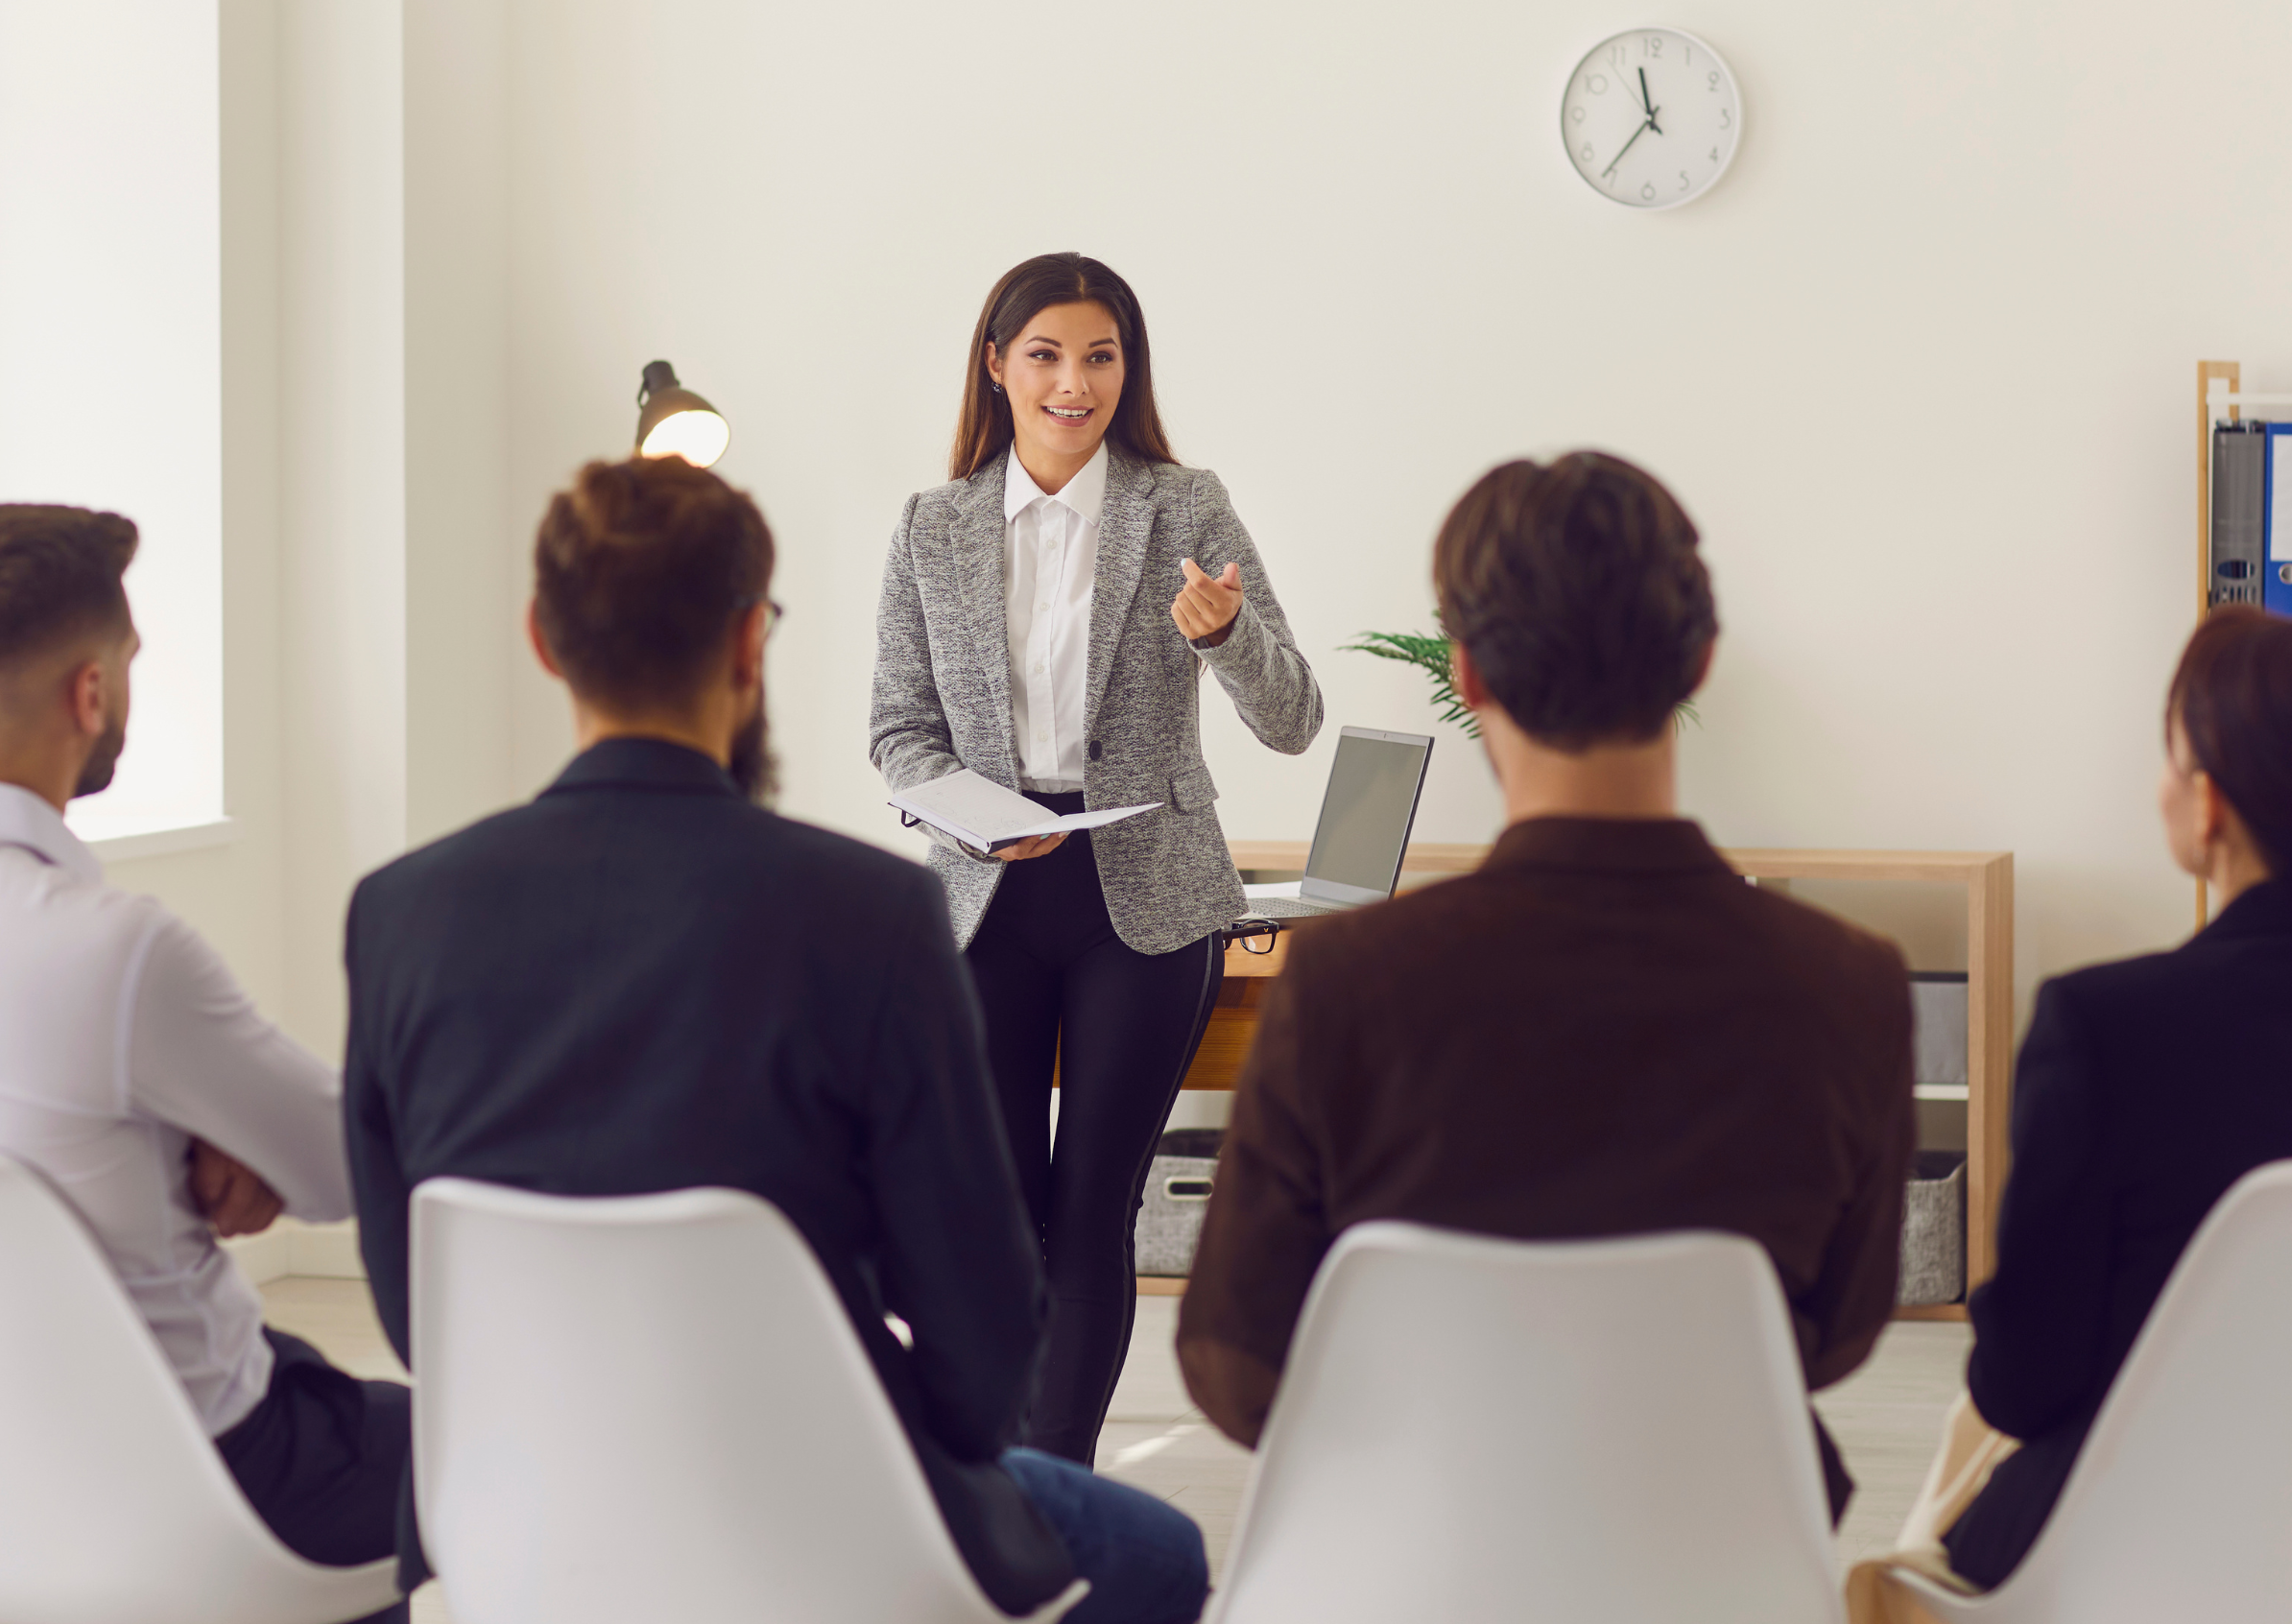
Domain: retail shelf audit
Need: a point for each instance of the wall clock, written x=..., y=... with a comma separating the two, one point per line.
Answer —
x=1651, y=118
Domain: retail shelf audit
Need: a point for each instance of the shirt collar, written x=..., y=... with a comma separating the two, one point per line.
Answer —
x=1619, y=845
x=2262, y=910
x=27, y=821
x=636, y=763
x=1086, y=493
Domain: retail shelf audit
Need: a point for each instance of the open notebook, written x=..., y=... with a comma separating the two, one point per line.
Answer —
x=984, y=815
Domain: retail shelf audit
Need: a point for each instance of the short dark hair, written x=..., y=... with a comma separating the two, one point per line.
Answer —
x=641, y=572
x=1029, y=288
x=1577, y=589
x=60, y=571
x=2233, y=696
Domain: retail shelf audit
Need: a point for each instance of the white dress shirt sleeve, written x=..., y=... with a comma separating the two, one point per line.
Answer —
x=199, y=1057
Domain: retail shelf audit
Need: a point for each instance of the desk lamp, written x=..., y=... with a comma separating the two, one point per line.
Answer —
x=673, y=421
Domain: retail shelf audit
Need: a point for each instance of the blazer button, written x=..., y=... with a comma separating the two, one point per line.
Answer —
x=1094, y=750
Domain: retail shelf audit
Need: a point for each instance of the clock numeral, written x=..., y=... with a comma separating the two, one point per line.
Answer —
x=1597, y=84
x=1715, y=78
x=1684, y=182
x=1576, y=112
x=1616, y=56
x=1714, y=154
x=1726, y=118
x=1648, y=192
x=1587, y=152
x=1651, y=45
x=1687, y=52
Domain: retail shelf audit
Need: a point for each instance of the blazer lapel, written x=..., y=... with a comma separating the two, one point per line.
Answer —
x=1124, y=524
x=976, y=542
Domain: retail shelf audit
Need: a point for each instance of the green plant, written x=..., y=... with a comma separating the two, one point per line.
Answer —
x=1430, y=656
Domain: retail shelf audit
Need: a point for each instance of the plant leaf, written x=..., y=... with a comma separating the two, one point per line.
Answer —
x=1429, y=654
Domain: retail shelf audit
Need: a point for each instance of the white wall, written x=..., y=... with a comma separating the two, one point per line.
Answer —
x=109, y=347
x=343, y=469
x=367, y=592
x=1920, y=367
x=461, y=601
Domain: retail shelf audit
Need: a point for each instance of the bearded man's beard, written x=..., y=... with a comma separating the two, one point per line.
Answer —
x=96, y=776
x=756, y=772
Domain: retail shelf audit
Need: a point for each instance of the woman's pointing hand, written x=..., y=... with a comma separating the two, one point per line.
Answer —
x=1207, y=606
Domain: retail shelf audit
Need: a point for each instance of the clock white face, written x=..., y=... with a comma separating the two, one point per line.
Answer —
x=1651, y=118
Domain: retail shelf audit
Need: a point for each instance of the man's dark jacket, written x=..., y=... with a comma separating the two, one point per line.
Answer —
x=1602, y=1032
x=2146, y=1089
x=642, y=982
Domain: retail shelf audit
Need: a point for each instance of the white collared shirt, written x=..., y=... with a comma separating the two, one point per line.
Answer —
x=122, y=1038
x=1050, y=566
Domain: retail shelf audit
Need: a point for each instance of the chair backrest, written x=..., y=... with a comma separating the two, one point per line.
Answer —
x=2180, y=1502
x=113, y=1502
x=655, y=1407
x=1608, y=1432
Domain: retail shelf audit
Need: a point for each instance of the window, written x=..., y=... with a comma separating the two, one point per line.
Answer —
x=111, y=350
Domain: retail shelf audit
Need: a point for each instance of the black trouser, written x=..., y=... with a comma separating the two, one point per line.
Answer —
x=322, y=1460
x=1058, y=984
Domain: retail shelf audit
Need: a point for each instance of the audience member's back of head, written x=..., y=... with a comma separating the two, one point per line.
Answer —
x=66, y=641
x=1577, y=590
x=60, y=593
x=642, y=571
x=2231, y=699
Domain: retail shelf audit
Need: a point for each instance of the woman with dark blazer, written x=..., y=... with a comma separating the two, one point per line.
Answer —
x=1046, y=619
x=2146, y=1089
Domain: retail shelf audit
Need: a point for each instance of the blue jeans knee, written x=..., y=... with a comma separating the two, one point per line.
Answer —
x=1144, y=1558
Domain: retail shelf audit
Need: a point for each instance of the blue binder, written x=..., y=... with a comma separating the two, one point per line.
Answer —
x=2275, y=548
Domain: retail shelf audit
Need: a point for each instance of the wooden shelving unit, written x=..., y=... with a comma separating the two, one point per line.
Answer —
x=1987, y=878
x=2221, y=398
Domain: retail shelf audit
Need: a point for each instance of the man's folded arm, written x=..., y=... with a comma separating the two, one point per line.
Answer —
x=959, y=1264
x=200, y=1059
x=1265, y=1234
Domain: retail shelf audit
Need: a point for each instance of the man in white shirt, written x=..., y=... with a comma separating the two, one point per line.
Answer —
x=137, y=1078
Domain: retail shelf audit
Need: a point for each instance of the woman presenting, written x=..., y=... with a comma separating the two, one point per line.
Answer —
x=1046, y=617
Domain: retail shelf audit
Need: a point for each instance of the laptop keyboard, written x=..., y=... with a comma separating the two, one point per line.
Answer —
x=1286, y=908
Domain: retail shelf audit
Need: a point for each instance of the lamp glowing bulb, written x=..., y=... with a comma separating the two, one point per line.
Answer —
x=673, y=421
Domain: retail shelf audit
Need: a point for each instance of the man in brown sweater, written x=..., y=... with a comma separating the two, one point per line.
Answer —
x=1604, y=1031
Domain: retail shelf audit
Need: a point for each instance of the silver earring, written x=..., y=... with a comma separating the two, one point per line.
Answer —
x=997, y=387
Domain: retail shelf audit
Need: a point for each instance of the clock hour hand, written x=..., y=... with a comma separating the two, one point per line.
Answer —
x=1647, y=103
x=1625, y=148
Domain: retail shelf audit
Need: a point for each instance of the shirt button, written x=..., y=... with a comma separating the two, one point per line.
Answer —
x=1038, y=668
x=1041, y=737
x=1044, y=604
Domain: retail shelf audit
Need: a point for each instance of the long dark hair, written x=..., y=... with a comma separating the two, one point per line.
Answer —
x=2233, y=697
x=1025, y=292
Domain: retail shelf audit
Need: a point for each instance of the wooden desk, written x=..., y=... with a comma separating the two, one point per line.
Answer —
x=1986, y=876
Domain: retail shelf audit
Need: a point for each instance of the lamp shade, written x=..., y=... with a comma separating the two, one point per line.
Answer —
x=673, y=421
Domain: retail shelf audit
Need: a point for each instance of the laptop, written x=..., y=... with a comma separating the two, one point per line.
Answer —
x=1366, y=815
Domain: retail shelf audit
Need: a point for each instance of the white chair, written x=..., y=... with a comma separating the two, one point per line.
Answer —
x=2180, y=1506
x=1600, y=1432
x=655, y=1406
x=114, y=1507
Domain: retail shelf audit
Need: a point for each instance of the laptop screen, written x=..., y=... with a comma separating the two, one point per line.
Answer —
x=1366, y=815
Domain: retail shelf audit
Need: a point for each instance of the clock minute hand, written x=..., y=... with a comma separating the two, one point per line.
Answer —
x=1625, y=148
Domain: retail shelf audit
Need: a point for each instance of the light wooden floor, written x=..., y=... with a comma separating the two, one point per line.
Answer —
x=1886, y=1417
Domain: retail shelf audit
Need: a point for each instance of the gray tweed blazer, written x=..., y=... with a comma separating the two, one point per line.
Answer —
x=942, y=686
